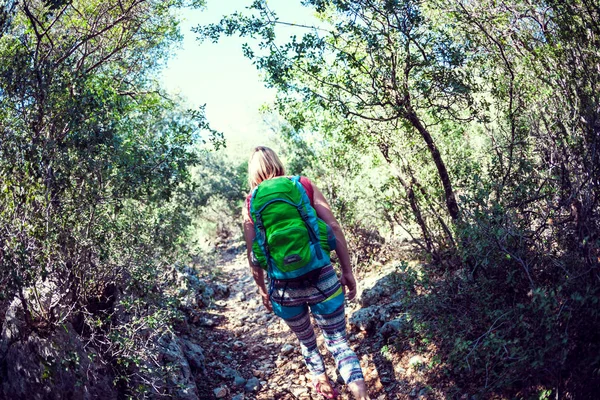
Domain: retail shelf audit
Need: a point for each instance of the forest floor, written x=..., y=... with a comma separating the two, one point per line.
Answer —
x=251, y=354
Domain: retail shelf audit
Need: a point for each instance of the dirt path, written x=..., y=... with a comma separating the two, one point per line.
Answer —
x=251, y=354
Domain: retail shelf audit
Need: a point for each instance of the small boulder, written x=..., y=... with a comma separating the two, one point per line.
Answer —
x=238, y=345
x=365, y=319
x=392, y=327
x=287, y=349
x=239, y=381
x=240, y=296
x=221, y=290
x=298, y=391
x=253, y=385
x=193, y=353
x=416, y=360
x=221, y=392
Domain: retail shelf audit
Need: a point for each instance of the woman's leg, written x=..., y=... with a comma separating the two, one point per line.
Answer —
x=298, y=319
x=331, y=318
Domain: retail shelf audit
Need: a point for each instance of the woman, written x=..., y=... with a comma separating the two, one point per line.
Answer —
x=323, y=296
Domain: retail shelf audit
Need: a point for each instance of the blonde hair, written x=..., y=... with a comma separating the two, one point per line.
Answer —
x=263, y=164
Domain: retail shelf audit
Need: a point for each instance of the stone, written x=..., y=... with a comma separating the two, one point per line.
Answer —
x=392, y=327
x=416, y=360
x=180, y=377
x=239, y=381
x=220, y=392
x=194, y=354
x=221, y=290
x=225, y=372
x=252, y=385
x=384, y=287
x=37, y=367
x=365, y=319
x=390, y=311
x=240, y=296
x=239, y=396
x=298, y=391
x=203, y=321
x=287, y=349
x=238, y=345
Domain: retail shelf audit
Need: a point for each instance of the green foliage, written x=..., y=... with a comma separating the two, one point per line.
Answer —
x=220, y=185
x=95, y=185
x=473, y=127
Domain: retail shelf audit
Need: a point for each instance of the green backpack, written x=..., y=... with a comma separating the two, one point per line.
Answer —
x=290, y=239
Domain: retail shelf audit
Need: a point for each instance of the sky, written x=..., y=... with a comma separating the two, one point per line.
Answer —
x=218, y=75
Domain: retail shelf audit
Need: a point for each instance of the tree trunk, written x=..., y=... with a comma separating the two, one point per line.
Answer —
x=451, y=203
x=412, y=200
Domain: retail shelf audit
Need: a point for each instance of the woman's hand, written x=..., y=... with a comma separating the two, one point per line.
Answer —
x=348, y=285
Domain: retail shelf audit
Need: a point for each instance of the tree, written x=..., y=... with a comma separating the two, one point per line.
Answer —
x=92, y=154
x=384, y=63
x=486, y=114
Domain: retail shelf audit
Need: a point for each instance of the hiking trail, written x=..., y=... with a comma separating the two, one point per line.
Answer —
x=251, y=354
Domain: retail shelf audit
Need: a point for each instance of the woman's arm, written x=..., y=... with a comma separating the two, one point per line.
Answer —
x=324, y=212
x=257, y=272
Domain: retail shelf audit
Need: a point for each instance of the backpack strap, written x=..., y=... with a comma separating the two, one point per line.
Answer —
x=259, y=228
x=307, y=213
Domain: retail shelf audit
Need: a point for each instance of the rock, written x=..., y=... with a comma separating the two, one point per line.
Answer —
x=203, y=321
x=191, y=291
x=33, y=366
x=239, y=381
x=221, y=290
x=390, y=311
x=384, y=287
x=257, y=348
x=392, y=327
x=225, y=372
x=238, y=397
x=240, y=296
x=294, y=367
x=253, y=385
x=238, y=345
x=179, y=376
x=46, y=368
x=220, y=303
x=365, y=319
x=220, y=392
x=287, y=349
x=280, y=362
x=194, y=354
x=298, y=391
x=415, y=361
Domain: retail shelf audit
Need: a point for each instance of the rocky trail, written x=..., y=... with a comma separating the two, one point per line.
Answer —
x=251, y=354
